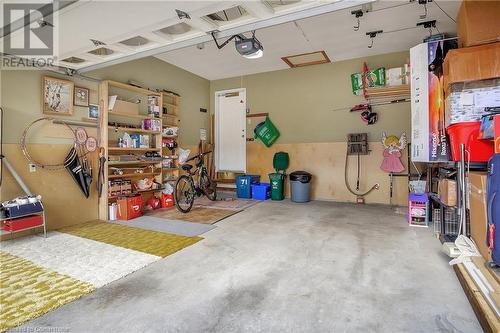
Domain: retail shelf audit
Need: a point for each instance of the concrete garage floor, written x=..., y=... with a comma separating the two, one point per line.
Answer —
x=284, y=267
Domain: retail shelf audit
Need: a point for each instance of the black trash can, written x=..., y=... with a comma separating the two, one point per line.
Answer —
x=300, y=185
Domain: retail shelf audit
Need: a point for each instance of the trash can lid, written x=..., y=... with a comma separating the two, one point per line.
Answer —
x=301, y=176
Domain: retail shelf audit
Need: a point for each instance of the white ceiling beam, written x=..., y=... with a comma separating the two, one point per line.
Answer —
x=276, y=20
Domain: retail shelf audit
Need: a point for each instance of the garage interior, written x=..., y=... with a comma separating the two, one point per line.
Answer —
x=276, y=166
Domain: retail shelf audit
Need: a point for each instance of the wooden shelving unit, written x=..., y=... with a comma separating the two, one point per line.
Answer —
x=170, y=118
x=108, y=137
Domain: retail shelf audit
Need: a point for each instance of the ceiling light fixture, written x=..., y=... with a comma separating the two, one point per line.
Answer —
x=250, y=48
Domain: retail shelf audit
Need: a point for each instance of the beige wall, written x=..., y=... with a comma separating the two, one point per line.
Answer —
x=311, y=105
x=20, y=98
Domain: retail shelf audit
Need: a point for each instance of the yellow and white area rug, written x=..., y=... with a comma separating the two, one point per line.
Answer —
x=39, y=274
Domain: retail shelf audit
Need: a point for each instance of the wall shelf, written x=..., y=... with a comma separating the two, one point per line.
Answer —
x=120, y=149
x=133, y=130
x=135, y=116
x=134, y=175
x=113, y=163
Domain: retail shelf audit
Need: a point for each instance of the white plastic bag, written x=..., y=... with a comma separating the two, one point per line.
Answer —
x=183, y=155
x=168, y=189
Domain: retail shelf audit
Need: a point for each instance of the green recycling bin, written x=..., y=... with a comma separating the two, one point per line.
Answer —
x=277, y=181
x=267, y=132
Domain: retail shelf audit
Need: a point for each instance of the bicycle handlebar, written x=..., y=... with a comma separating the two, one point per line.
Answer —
x=198, y=156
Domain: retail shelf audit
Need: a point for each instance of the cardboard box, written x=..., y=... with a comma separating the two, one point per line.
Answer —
x=470, y=101
x=126, y=107
x=478, y=22
x=477, y=203
x=428, y=136
x=447, y=191
x=472, y=64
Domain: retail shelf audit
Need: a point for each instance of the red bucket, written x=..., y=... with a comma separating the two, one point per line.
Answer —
x=468, y=134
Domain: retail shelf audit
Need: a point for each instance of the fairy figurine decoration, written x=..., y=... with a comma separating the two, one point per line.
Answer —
x=392, y=152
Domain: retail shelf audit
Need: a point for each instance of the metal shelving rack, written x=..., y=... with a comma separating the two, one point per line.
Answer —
x=448, y=232
x=17, y=218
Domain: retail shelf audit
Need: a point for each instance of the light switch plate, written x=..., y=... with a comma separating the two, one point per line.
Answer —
x=32, y=167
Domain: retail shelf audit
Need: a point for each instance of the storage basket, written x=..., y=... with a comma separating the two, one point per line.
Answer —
x=261, y=191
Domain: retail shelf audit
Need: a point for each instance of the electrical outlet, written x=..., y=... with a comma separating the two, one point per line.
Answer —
x=32, y=167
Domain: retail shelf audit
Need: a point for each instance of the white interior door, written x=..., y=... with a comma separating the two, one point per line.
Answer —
x=230, y=131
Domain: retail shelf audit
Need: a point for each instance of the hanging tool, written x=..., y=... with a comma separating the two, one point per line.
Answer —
x=100, y=176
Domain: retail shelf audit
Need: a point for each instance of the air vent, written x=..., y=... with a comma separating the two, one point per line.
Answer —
x=228, y=15
x=279, y=3
x=102, y=51
x=176, y=29
x=136, y=41
x=306, y=59
x=73, y=60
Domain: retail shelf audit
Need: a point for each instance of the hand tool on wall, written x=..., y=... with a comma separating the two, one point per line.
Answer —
x=100, y=176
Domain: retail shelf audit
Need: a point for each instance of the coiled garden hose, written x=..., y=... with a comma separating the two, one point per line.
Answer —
x=374, y=187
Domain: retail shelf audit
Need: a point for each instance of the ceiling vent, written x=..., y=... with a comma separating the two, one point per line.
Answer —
x=102, y=51
x=176, y=29
x=73, y=60
x=136, y=41
x=306, y=59
x=228, y=15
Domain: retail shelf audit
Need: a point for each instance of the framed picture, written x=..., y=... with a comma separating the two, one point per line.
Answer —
x=81, y=96
x=57, y=96
x=93, y=111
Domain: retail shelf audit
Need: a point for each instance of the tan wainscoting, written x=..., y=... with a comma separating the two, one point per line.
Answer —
x=326, y=162
x=64, y=202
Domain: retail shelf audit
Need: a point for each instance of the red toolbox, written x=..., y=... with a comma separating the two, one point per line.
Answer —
x=21, y=223
x=129, y=208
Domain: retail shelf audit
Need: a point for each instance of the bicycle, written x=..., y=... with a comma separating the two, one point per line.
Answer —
x=186, y=189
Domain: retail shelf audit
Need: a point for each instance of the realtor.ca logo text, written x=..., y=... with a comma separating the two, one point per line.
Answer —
x=28, y=35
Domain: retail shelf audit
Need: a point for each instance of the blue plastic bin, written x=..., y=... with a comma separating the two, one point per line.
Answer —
x=261, y=191
x=243, y=189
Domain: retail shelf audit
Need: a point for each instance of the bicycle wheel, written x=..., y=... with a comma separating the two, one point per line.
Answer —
x=208, y=187
x=184, y=194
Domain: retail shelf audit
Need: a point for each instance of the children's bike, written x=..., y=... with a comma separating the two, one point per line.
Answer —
x=187, y=189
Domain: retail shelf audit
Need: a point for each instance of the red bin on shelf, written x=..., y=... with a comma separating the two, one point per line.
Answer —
x=477, y=150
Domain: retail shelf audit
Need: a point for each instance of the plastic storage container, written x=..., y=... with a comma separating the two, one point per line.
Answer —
x=267, y=132
x=281, y=160
x=468, y=134
x=277, y=181
x=300, y=185
x=243, y=183
x=261, y=191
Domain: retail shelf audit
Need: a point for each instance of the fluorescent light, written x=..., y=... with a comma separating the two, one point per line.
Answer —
x=254, y=55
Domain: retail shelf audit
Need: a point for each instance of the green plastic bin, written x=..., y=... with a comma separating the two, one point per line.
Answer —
x=277, y=181
x=267, y=132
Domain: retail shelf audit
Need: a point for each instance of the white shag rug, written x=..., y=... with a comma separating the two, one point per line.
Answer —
x=80, y=258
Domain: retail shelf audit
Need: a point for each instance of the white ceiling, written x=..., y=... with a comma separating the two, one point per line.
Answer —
x=332, y=32
x=113, y=21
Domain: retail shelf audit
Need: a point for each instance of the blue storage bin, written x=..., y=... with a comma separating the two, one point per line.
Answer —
x=243, y=183
x=261, y=191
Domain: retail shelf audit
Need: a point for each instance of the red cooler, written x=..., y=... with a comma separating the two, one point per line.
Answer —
x=468, y=133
